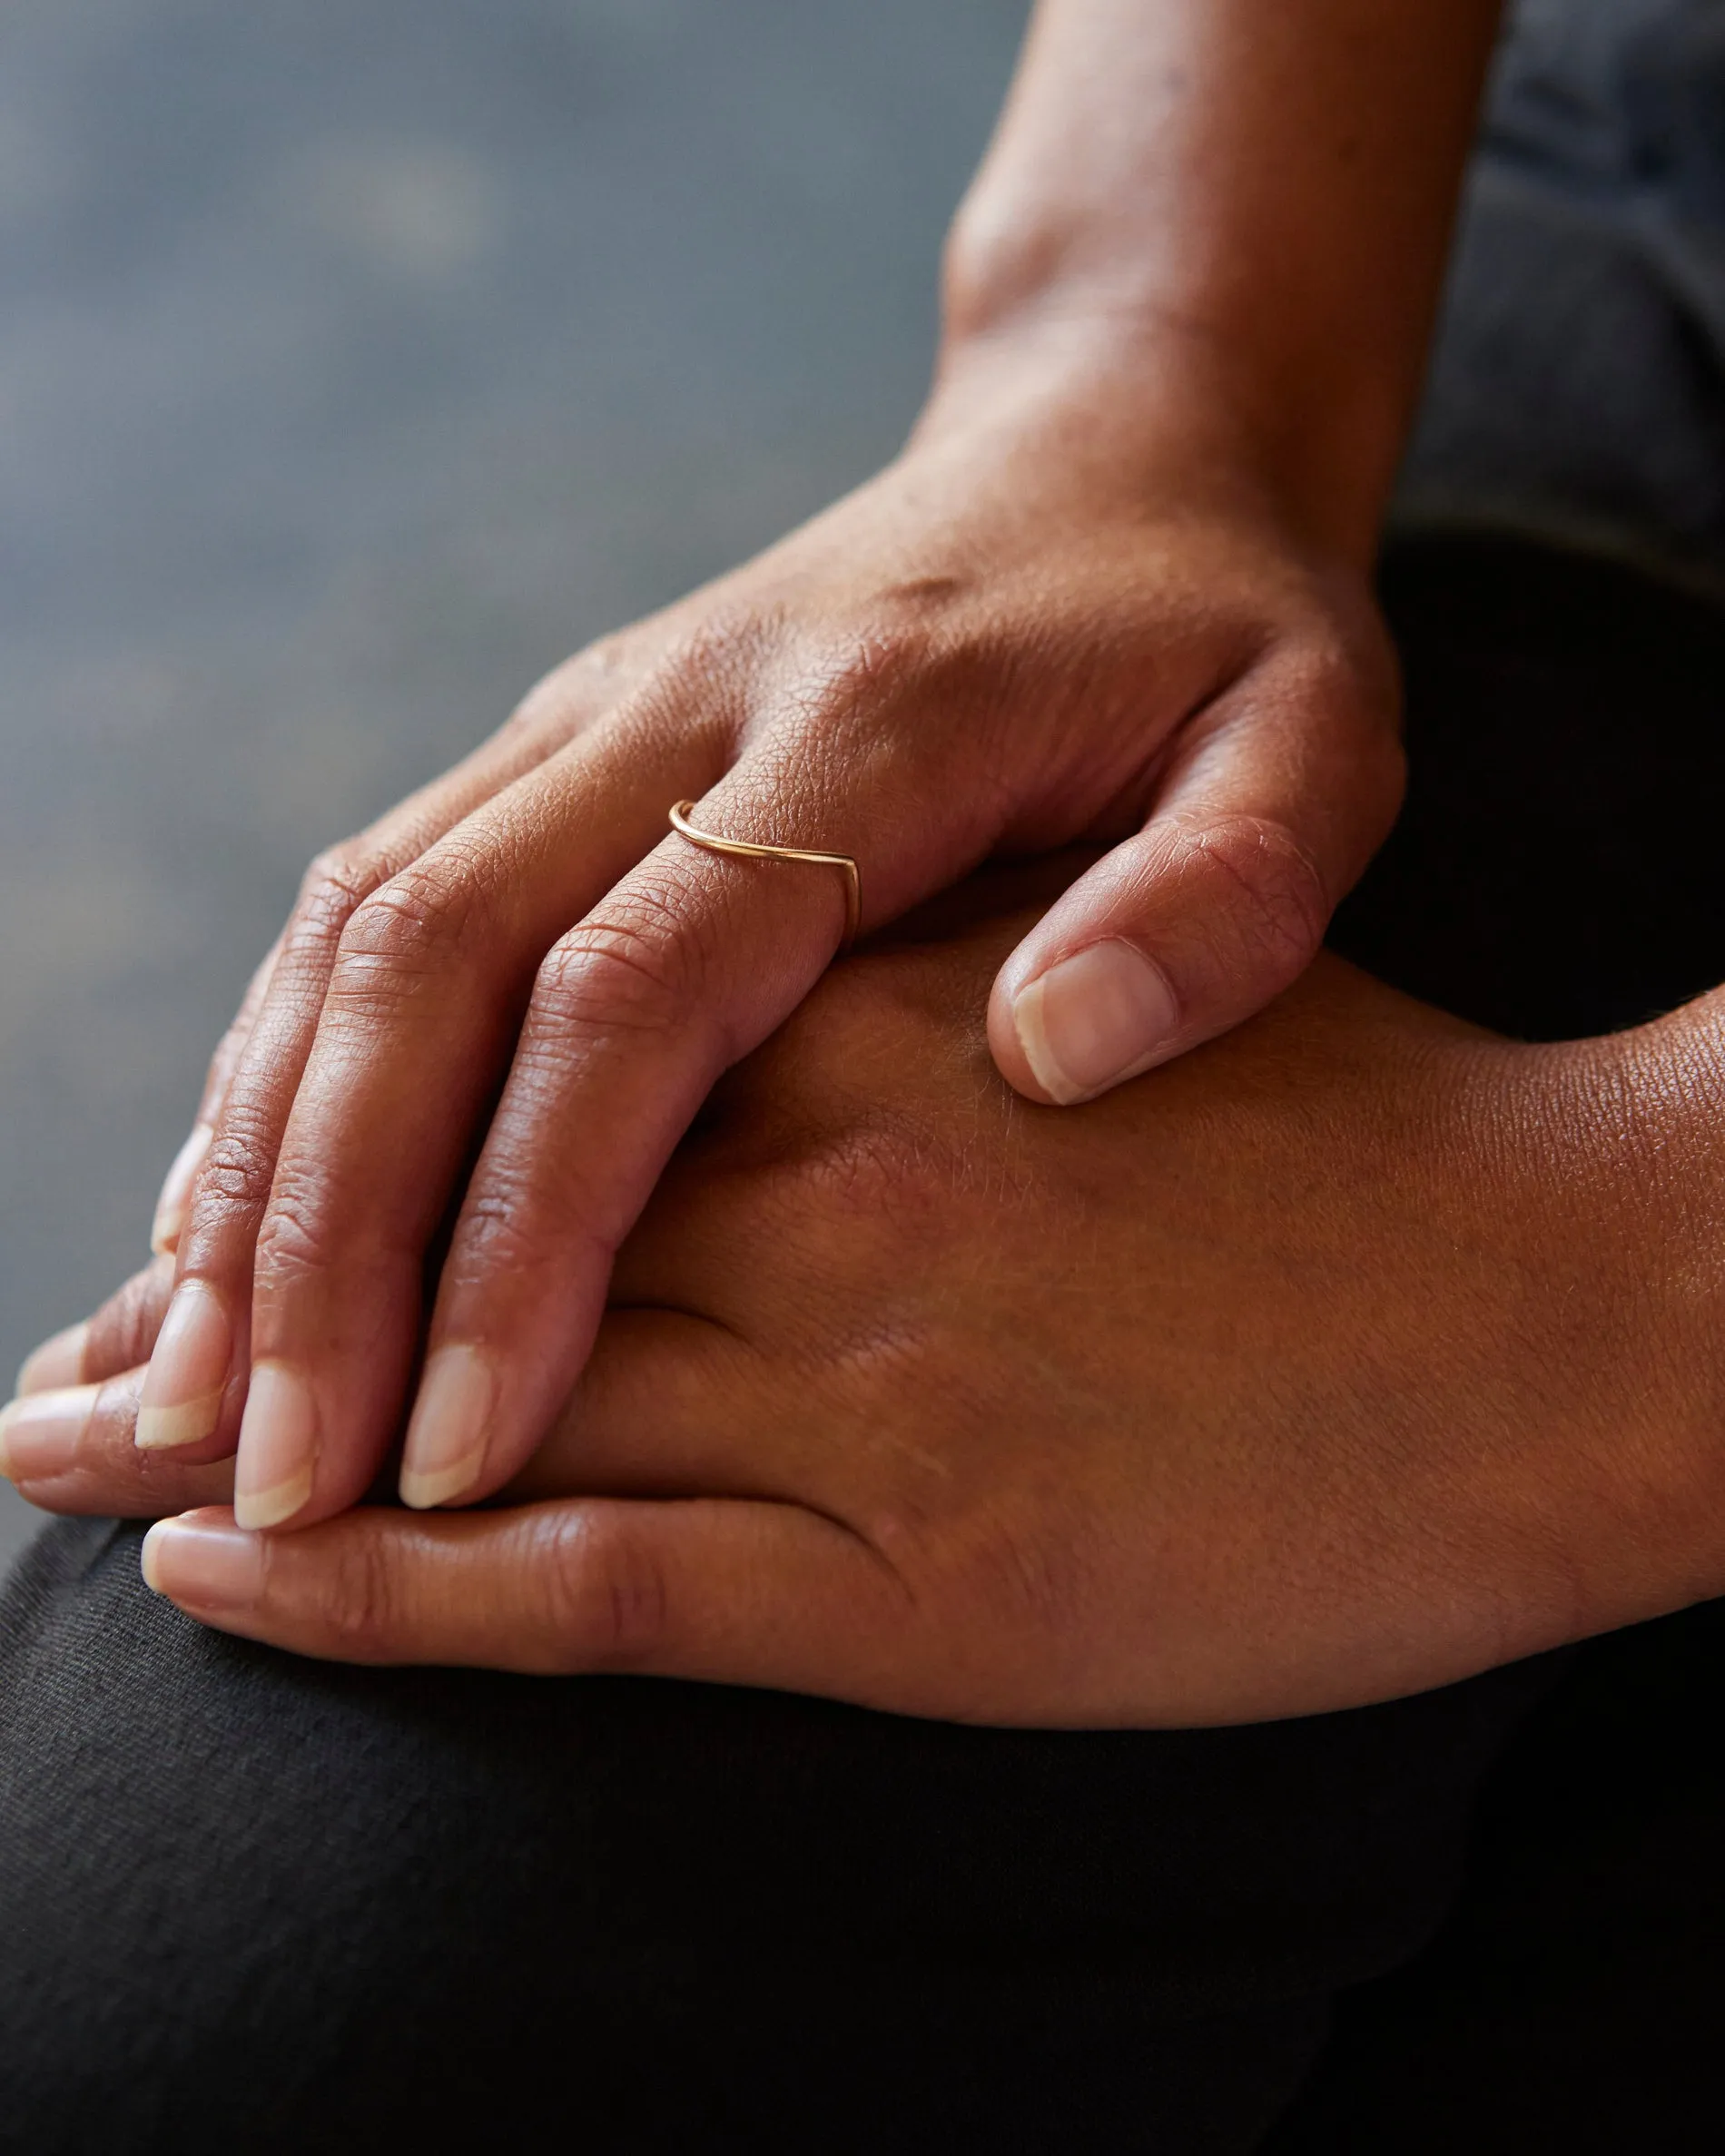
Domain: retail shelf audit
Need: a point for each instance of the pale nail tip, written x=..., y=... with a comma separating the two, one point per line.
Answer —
x=163, y=1237
x=148, y=1556
x=420, y=1491
x=269, y=1508
x=159, y=1429
x=1027, y=1023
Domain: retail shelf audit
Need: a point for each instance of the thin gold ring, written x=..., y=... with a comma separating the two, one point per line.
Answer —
x=745, y=850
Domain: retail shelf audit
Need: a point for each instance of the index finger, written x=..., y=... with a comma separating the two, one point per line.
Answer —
x=689, y=965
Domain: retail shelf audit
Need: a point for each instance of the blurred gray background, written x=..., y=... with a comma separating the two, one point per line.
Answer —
x=359, y=360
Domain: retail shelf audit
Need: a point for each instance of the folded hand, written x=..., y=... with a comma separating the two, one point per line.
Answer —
x=1340, y=1359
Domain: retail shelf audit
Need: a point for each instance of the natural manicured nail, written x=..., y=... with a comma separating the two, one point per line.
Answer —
x=1098, y=1017
x=208, y=1565
x=176, y=1189
x=278, y=1447
x=181, y=1398
x=40, y=1436
x=447, y=1431
x=57, y=1363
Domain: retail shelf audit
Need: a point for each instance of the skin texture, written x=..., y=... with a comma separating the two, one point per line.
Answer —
x=1113, y=591
x=1349, y=1356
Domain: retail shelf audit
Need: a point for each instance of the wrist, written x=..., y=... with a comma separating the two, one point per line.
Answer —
x=1652, y=1105
x=1153, y=398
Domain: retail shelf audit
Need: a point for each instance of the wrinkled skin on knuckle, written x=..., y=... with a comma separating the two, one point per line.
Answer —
x=1272, y=900
x=697, y=678
x=844, y=711
x=240, y=1166
x=511, y=1241
x=635, y=970
x=873, y=1169
x=295, y=1238
x=603, y=1597
x=356, y=1611
x=409, y=930
x=335, y=885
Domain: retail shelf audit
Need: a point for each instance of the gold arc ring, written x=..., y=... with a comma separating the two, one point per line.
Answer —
x=746, y=850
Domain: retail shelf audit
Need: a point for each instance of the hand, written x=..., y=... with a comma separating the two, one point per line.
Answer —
x=1114, y=591
x=1016, y=638
x=1354, y=1354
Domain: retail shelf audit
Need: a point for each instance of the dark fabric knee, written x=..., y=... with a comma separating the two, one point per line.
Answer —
x=255, y=1902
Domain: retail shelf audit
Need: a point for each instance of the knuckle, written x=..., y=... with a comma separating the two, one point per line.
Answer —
x=870, y=1170
x=335, y=885
x=292, y=1239
x=899, y=682
x=511, y=1240
x=1279, y=906
x=636, y=970
x=607, y=1595
x=410, y=924
x=240, y=1166
x=569, y=699
x=725, y=644
x=359, y=1606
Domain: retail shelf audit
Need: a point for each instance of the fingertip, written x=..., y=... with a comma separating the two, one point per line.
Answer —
x=445, y=1452
x=205, y=1562
x=422, y=1492
x=276, y=1463
x=1086, y=1023
x=41, y=1435
x=149, y=1557
x=57, y=1363
x=255, y=1510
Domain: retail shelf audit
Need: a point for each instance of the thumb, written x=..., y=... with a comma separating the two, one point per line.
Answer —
x=1209, y=912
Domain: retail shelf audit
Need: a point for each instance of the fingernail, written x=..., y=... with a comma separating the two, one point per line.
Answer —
x=40, y=1436
x=447, y=1429
x=211, y=1566
x=278, y=1447
x=176, y=1189
x=1096, y=1017
x=181, y=1398
x=57, y=1362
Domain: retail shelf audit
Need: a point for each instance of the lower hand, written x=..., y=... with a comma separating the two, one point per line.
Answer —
x=1353, y=1354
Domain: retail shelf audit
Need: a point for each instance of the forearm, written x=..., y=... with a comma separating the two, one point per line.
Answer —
x=1232, y=211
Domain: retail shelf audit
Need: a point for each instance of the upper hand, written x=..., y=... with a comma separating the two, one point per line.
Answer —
x=1018, y=636
x=1349, y=1356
